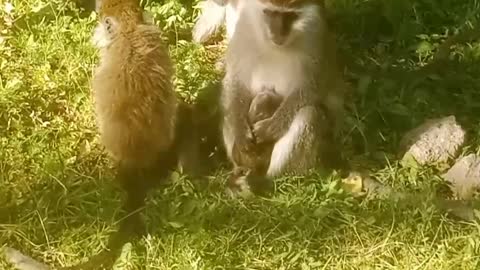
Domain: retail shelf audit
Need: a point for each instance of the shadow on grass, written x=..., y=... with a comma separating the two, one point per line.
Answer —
x=388, y=44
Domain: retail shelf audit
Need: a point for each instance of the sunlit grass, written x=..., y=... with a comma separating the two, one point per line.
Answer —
x=58, y=204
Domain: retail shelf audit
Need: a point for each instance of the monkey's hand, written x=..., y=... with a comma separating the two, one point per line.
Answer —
x=246, y=143
x=265, y=131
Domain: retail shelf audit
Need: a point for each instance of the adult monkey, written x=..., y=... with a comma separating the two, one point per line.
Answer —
x=285, y=45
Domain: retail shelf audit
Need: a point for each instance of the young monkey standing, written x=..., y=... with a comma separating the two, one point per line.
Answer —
x=136, y=109
x=135, y=101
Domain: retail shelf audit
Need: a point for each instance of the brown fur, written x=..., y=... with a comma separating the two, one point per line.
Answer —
x=134, y=97
x=141, y=124
x=128, y=12
x=136, y=109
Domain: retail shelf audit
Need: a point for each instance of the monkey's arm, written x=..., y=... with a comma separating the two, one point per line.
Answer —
x=236, y=106
x=273, y=128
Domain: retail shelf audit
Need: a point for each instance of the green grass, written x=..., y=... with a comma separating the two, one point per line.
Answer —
x=58, y=204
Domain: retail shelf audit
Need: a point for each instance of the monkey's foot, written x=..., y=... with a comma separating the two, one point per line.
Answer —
x=260, y=185
x=246, y=184
x=238, y=187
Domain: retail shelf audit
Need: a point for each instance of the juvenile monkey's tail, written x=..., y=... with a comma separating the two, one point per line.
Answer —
x=209, y=22
x=137, y=182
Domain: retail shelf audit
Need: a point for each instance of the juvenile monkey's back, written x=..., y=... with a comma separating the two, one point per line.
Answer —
x=134, y=96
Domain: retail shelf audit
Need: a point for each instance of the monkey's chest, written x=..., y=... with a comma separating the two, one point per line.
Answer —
x=283, y=75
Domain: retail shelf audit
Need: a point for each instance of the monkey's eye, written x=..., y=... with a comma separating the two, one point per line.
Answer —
x=107, y=20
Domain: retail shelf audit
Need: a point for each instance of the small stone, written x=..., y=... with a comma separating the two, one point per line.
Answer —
x=464, y=176
x=360, y=184
x=20, y=261
x=436, y=140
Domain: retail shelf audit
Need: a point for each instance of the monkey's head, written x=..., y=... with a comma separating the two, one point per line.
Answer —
x=116, y=16
x=120, y=14
x=286, y=22
x=264, y=104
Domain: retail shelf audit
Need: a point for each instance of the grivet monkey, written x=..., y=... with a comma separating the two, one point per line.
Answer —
x=135, y=101
x=214, y=14
x=137, y=113
x=250, y=165
x=285, y=45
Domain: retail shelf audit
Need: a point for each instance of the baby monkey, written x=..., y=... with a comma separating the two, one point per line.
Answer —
x=251, y=164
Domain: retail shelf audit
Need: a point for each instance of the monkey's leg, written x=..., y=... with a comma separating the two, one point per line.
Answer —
x=235, y=102
x=137, y=183
x=298, y=150
x=259, y=184
x=188, y=141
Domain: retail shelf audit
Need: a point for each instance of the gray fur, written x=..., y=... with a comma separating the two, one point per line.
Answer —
x=215, y=14
x=303, y=72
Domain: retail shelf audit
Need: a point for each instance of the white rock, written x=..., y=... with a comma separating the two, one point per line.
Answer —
x=22, y=262
x=464, y=176
x=436, y=140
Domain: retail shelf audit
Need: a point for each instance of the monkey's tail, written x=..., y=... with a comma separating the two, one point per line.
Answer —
x=137, y=182
x=209, y=22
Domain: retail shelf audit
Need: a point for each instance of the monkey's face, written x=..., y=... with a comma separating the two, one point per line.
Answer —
x=103, y=33
x=264, y=105
x=284, y=25
x=116, y=16
x=279, y=24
